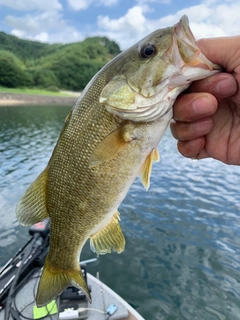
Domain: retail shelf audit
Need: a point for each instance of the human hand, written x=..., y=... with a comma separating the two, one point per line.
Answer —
x=207, y=118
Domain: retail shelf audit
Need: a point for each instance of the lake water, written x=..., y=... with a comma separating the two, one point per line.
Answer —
x=182, y=256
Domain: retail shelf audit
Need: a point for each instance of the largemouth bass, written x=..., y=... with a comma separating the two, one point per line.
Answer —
x=110, y=137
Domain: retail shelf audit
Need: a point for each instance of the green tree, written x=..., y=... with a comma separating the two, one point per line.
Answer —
x=11, y=75
x=43, y=78
x=74, y=74
x=70, y=66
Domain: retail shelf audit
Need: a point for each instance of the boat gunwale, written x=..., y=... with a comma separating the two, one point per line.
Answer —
x=131, y=310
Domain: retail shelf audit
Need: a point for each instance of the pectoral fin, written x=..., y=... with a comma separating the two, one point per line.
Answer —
x=32, y=206
x=146, y=169
x=109, y=147
x=108, y=238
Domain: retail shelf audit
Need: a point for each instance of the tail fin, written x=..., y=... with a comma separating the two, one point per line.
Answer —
x=53, y=281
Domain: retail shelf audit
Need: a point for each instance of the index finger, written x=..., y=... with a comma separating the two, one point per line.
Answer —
x=221, y=85
x=223, y=51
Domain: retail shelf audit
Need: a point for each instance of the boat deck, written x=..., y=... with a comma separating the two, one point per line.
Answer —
x=102, y=298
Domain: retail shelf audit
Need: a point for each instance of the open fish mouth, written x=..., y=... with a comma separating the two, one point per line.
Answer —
x=188, y=49
x=183, y=31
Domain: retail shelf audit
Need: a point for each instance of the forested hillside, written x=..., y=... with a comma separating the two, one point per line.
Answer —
x=25, y=63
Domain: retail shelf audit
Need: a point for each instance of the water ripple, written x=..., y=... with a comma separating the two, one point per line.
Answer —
x=182, y=256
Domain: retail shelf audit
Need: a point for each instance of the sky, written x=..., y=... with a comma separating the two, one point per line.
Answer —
x=125, y=21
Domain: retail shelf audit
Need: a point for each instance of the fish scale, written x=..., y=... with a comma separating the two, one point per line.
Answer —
x=109, y=138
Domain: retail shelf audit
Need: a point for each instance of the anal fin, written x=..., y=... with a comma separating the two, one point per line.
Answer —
x=32, y=206
x=109, y=237
x=146, y=169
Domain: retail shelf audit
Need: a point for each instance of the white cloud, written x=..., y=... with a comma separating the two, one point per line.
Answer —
x=27, y=5
x=84, y=4
x=134, y=20
x=47, y=23
x=130, y=28
x=45, y=27
x=18, y=33
x=212, y=18
x=80, y=4
x=227, y=18
x=108, y=3
x=34, y=23
x=142, y=2
x=43, y=37
x=148, y=5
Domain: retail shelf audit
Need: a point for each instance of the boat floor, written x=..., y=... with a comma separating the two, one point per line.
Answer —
x=102, y=298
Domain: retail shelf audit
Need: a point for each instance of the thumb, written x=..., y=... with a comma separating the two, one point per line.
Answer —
x=223, y=51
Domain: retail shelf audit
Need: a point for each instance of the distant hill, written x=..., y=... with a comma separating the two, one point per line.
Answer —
x=25, y=63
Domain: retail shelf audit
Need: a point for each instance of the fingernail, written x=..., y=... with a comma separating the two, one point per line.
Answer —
x=226, y=87
x=203, y=105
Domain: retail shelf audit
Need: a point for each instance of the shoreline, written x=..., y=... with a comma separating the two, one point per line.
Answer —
x=17, y=99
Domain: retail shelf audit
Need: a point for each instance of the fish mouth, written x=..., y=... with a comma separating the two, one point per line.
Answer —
x=183, y=30
x=190, y=53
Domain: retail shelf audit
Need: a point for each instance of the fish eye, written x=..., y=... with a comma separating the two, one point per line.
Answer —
x=148, y=50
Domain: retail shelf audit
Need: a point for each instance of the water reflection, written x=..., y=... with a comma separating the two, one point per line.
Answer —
x=27, y=138
x=182, y=236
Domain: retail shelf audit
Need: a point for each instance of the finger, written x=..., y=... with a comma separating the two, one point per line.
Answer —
x=194, y=106
x=184, y=131
x=221, y=85
x=193, y=149
x=222, y=50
